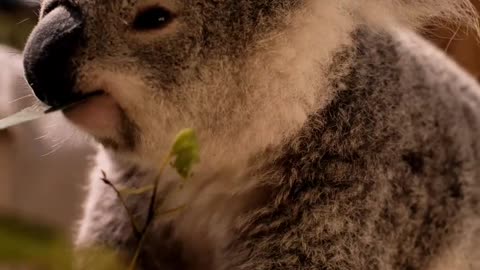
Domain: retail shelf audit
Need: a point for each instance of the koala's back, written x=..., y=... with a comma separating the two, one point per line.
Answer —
x=385, y=177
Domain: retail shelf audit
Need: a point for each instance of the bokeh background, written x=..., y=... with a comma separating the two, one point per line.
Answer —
x=43, y=164
x=42, y=167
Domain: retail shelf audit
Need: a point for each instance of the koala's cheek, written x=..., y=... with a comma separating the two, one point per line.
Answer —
x=99, y=116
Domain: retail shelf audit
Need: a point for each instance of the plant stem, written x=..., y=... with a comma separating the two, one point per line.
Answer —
x=153, y=199
x=136, y=191
x=136, y=231
x=133, y=263
x=151, y=212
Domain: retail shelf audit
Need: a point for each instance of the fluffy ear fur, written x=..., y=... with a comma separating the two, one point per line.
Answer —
x=415, y=13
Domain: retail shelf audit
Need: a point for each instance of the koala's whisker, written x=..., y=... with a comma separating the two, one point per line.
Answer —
x=23, y=21
x=20, y=98
x=56, y=147
x=54, y=150
x=42, y=137
x=447, y=47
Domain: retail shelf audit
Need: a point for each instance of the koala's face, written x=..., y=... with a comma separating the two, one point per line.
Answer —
x=161, y=65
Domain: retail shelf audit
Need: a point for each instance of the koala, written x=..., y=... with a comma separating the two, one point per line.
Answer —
x=332, y=135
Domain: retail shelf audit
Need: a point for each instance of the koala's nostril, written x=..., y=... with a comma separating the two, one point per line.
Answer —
x=48, y=55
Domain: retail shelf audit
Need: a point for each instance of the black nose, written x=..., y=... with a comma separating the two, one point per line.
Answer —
x=48, y=55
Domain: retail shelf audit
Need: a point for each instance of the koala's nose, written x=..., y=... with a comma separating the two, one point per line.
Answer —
x=48, y=55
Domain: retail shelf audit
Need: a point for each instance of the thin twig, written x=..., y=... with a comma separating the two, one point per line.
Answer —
x=151, y=212
x=153, y=200
x=136, y=191
x=173, y=210
x=136, y=232
x=133, y=263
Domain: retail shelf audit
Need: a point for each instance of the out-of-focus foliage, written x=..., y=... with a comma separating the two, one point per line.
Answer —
x=33, y=246
x=17, y=18
x=26, y=243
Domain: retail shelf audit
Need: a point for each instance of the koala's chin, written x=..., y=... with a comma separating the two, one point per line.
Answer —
x=98, y=116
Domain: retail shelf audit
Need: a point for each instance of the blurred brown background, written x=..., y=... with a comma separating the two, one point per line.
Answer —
x=17, y=17
x=43, y=164
x=43, y=177
x=462, y=45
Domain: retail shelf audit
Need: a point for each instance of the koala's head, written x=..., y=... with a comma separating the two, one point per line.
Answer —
x=240, y=72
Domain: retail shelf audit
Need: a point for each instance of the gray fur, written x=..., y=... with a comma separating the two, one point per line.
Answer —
x=359, y=151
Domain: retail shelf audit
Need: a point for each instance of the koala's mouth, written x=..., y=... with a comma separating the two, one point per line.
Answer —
x=96, y=112
x=75, y=102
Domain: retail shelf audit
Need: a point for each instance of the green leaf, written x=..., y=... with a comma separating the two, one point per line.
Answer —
x=185, y=151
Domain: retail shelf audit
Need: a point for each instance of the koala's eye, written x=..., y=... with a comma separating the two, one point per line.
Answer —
x=152, y=18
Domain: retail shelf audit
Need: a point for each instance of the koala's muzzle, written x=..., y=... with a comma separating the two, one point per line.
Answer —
x=48, y=55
